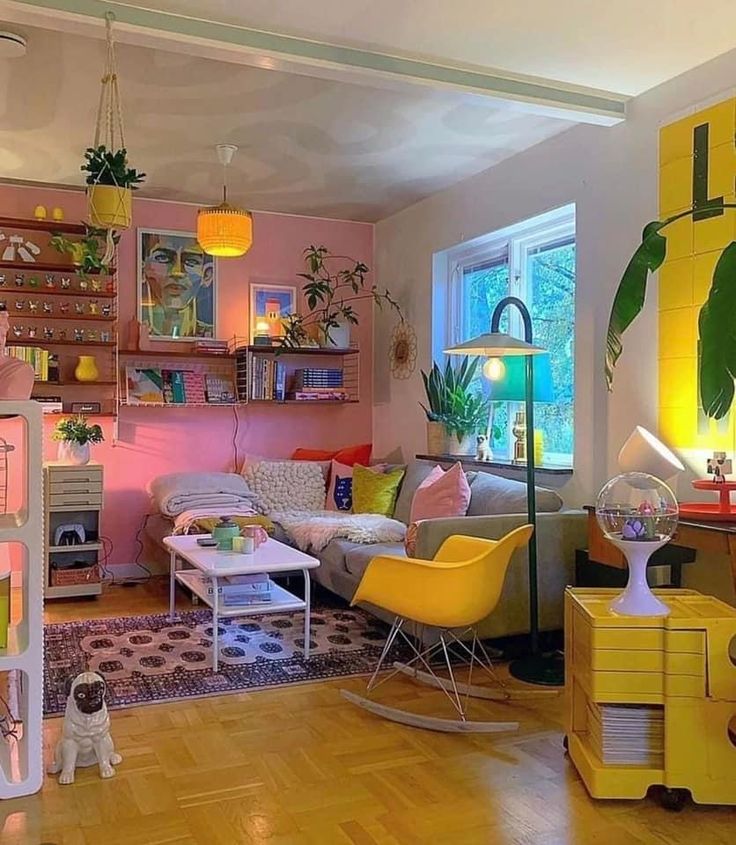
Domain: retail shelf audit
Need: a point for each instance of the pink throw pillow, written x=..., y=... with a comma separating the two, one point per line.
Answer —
x=441, y=494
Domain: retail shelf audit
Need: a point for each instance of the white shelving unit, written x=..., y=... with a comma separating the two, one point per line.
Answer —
x=21, y=663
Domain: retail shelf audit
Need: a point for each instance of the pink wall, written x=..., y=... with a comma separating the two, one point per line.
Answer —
x=154, y=441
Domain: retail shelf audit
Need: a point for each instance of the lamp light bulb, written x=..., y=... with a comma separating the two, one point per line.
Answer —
x=494, y=369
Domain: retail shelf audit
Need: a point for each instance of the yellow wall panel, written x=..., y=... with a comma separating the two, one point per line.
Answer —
x=676, y=284
x=676, y=332
x=675, y=186
x=695, y=165
x=703, y=268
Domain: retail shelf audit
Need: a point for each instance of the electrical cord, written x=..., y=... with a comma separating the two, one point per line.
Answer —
x=236, y=432
x=9, y=725
x=108, y=573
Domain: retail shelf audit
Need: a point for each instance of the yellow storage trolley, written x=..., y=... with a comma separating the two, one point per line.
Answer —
x=658, y=690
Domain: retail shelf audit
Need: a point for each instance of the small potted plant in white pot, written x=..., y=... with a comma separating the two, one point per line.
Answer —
x=74, y=436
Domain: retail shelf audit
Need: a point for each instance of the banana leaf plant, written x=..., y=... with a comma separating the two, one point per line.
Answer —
x=716, y=322
x=452, y=399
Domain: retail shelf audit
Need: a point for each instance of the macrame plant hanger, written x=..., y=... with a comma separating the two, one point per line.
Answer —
x=109, y=131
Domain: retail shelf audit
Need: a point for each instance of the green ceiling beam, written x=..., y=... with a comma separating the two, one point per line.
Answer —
x=299, y=54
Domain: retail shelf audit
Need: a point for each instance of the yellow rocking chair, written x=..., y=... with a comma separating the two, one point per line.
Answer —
x=452, y=593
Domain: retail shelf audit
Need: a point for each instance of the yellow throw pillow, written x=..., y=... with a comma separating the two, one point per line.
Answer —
x=375, y=492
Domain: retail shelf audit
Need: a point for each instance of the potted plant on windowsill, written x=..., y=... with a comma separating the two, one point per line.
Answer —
x=74, y=436
x=456, y=412
x=111, y=182
x=333, y=284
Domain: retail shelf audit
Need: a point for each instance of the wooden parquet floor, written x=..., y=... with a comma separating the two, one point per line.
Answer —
x=300, y=766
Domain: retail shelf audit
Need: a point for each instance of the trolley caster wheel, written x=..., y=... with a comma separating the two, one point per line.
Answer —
x=566, y=743
x=673, y=799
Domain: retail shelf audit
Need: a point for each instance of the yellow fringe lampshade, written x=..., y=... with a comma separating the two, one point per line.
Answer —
x=224, y=230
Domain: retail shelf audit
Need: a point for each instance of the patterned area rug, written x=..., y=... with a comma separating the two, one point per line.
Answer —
x=147, y=659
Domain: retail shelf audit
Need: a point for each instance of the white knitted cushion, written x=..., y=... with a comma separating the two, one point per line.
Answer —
x=286, y=485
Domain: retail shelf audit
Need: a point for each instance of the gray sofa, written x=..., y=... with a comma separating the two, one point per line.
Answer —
x=497, y=506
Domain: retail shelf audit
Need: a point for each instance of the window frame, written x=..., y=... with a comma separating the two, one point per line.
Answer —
x=513, y=246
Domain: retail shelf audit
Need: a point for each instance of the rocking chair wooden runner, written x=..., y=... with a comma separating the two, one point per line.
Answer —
x=452, y=593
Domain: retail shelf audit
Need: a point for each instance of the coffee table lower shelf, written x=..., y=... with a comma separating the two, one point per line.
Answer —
x=281, y=599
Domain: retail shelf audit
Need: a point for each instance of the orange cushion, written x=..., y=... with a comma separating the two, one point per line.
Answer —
x=313, y=455
x=349, y=456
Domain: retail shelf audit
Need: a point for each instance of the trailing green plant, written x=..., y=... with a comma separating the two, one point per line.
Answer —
x=88, y=252
x=453, y=401
x=105, y=167
x=333, y=284
x=717, y=359
x=76, y=430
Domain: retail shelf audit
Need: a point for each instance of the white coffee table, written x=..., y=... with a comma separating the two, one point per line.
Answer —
x=270, y=557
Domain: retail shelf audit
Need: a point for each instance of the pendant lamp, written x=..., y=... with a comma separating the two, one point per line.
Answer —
x=224, y=230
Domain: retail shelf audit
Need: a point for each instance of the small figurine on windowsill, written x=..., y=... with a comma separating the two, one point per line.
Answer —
x=718, y=466
x=483, y=448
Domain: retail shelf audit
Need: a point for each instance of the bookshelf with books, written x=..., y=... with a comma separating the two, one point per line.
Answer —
x=57, y=314
x=314, y=376
x=174, y=383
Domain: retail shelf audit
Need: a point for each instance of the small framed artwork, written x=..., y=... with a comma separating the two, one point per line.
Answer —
x=269, y=305
x=177, y=286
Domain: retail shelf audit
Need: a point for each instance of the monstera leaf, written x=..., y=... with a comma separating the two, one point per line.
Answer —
x=632, y=289
x=718, y=338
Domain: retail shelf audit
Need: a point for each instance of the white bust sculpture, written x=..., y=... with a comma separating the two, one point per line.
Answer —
x=16, y=376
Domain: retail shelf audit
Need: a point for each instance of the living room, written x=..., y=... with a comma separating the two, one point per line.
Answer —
x=365, y=452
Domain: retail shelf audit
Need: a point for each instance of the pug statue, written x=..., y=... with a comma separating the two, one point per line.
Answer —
x=85, y=737
x=483, y=448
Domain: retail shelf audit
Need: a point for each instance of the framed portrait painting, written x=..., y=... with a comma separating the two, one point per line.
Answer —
x=269, y=305
x=177, y=286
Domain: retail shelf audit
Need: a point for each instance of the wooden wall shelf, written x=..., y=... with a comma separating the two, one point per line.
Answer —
x=79, y=318
x=27, y=290
x=50, y=267
x=307, y=350
x=41, y=342
x=51, y=226
x=163, y=356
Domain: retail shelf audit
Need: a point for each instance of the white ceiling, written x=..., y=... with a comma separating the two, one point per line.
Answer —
x=308, y=145
x=627, y=46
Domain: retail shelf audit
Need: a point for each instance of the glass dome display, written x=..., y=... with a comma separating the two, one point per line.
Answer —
x=637, y=507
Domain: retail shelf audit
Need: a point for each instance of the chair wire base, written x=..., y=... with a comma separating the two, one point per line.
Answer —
x=458, y=693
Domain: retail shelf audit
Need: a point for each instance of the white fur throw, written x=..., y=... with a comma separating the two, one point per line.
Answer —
x=313, y=531
x=286, y=485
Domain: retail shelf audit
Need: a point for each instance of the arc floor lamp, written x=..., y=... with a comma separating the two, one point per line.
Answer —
x=535, y=667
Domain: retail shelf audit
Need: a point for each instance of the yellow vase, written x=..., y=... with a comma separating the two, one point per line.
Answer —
x=86, y=369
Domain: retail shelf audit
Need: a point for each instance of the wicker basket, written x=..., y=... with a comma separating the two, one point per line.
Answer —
x=72, y=577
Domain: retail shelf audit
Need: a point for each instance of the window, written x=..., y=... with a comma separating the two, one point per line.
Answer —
x=534, y=261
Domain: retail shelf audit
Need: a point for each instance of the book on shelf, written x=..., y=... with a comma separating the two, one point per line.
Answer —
x=319, y=396
x=144, y=386
x=211, y=346
x=307, y=377
x=173, y=387
x=220, y=390
x=35, y=356
x=194, y=389
x=267, y=379
x=238, y=590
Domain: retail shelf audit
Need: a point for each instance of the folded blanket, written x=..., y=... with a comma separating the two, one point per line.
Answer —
x=206, y=518
x=313, y=531
x=180, y=491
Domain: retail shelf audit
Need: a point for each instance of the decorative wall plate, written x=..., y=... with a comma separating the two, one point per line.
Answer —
x=403, y=350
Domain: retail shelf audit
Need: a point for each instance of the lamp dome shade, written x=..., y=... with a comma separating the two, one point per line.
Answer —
x=511, y=385
x=494, y=345
x=225, y=231
x=643, y=452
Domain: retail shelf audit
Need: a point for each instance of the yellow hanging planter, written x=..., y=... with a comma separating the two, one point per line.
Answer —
x=110, y=207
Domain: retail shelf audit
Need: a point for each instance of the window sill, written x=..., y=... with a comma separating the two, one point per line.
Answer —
x=469, y=461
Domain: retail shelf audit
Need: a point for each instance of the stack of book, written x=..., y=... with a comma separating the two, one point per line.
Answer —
x=313, y=383
x=627, y=734
x=210, y=346
x=240, y=590
x=33, y=355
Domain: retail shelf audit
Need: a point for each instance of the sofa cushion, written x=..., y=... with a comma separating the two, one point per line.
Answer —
x=416, y=472
x=375, y=492
x=358, y=558
x=492, y=494
x=441, y=494
x=333, y=554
